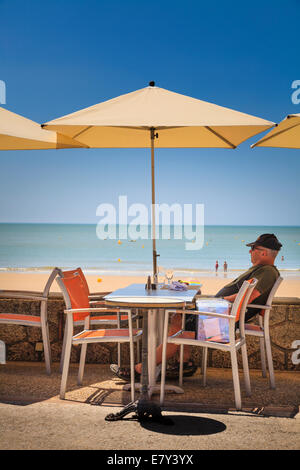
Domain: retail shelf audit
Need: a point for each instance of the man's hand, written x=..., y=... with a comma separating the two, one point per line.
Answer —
x=255, y=293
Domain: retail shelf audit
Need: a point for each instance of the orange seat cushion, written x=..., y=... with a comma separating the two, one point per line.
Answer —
x=19, y=317
x=105, y=333
x=251, y=327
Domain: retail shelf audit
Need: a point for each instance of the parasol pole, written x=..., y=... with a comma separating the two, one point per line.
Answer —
x=155, y=255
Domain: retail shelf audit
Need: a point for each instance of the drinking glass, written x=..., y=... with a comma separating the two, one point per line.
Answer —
x=169, y=276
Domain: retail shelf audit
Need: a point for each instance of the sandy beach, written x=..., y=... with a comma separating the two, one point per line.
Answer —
x=99, y=283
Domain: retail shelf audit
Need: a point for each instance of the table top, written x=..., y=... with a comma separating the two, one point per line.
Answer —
x=136, y=295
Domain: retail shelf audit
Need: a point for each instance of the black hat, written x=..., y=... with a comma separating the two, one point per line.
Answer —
x=268, y=240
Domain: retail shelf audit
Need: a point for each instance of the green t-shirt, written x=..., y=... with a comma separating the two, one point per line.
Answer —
x=266, y=274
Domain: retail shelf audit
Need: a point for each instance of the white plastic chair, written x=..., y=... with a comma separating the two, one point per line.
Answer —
x=40, y=321
x=78, y=308
x=232, y=345
x=116, y=318
x=262, y=331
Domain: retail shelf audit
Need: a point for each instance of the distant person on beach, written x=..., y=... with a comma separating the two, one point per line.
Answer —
x=263, y=252
x=217, y=266
x=225, y=267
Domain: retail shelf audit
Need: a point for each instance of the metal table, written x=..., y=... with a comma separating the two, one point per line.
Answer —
x=149, y=303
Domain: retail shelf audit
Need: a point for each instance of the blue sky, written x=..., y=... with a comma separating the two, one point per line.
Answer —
x=60, y=56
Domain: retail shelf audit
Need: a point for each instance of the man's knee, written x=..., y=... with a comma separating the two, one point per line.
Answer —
x=176, y=320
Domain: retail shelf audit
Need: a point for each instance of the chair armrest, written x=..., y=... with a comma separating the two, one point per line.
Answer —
x=264, y=307
x=26, y=295
x=206, y=296
x=93, y=310
x=218, y=315
x=15, y=291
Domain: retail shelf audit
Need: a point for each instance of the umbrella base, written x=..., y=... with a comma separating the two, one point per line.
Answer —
x=144, y=410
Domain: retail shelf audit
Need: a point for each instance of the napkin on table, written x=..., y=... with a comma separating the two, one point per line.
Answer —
x=175, y=285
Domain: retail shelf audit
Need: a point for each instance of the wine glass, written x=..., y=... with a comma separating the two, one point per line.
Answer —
x=169, y=276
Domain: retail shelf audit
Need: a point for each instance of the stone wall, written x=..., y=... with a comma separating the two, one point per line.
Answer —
x=25, y=343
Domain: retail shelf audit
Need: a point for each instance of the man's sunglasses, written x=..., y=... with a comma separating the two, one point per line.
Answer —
x=256, y=248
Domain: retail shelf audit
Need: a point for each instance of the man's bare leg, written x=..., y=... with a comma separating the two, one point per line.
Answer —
x=175, y=325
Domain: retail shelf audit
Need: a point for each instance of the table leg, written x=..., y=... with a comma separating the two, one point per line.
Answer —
x=153, y=325
x=143, y=407
x=160, y=326
x=152, y=315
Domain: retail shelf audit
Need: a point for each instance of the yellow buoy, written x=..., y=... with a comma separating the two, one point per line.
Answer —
x=143, y=246
x=119, y=260
x=119, y=242
x=99, y=279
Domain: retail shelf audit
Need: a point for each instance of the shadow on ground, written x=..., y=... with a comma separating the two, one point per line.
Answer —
x=184, y=425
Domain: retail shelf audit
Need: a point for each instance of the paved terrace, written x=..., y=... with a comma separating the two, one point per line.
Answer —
x=33, y=417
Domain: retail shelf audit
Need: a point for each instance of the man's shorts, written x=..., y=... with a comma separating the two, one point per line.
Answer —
x=190, y=322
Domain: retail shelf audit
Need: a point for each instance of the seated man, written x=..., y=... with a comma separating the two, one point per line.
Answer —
x=263, y=253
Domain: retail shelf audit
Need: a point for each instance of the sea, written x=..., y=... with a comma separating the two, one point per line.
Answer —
x=40, y=247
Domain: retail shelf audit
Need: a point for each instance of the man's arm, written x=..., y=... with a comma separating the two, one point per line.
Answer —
x=255, y=293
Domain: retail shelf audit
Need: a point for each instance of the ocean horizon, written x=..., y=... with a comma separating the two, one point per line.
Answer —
x=38, y=247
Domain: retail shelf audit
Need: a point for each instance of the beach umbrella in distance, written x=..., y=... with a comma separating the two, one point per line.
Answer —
x=286, y=134
x=20, y=133
x=155, y=117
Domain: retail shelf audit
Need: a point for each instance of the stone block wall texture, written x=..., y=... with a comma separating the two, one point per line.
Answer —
x=23, y=343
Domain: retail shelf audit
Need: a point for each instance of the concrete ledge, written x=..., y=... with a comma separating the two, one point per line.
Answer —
x=286, y=301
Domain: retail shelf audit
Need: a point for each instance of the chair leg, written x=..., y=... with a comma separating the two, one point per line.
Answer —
x=132, y=381
x=263, y=357
x=270, y=362
x=119, y=345
x=164, y=360
x=131, y=353
x=46, y=339
x=204, y=365
x=181, y=365
x=66, y=363
x=138, y=349
x=163, y=377
x=246, y=370
x=119, y=354
x=81, y=363
x=47, y=353
x=61, y=365
x=236, y=380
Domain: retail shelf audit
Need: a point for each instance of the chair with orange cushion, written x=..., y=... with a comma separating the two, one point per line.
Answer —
x=93, y=296
x=40, y=321
x=230, y=342
x=78, y=309
x=117, y=319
